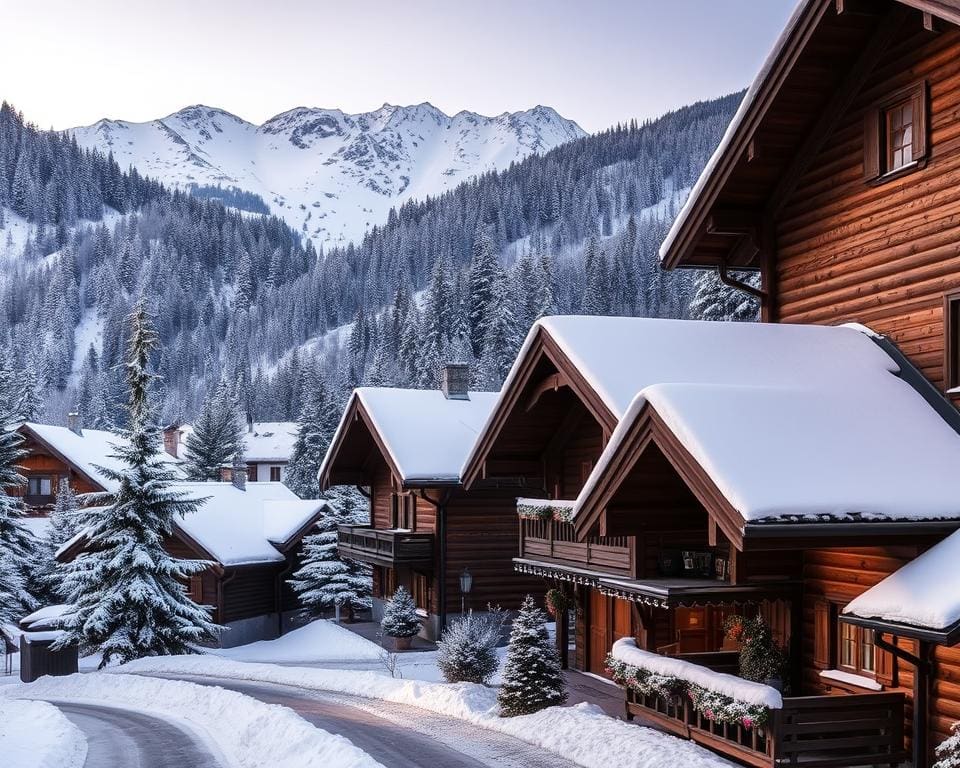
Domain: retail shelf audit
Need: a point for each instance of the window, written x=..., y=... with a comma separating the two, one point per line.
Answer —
x=403, y=511
x=274, y=474
x=951, y=322
x=895, y=134
x=40, y=486
x=251, y=473
x=857, y=652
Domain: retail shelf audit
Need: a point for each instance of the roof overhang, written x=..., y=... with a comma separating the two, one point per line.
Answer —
x=947, y=636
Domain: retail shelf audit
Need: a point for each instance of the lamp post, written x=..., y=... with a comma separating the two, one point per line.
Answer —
x=466, y=584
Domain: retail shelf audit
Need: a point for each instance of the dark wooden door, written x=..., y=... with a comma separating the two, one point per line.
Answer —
x=598, y=632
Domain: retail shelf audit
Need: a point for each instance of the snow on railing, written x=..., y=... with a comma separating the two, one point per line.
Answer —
x=717, y=696
x=546, y=509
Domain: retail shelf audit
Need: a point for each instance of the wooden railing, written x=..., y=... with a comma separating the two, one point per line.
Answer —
x=810, y=731
x=553, y=541
x=387, y=547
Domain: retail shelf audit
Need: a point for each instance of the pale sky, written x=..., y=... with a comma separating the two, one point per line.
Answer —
x=67, y=62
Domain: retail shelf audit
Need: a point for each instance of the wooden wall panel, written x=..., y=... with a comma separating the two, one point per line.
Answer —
x=249, y=592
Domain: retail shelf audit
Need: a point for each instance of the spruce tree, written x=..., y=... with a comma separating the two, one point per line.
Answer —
x=400, y=615
x=216, y=436
x=66, y=520
x=128, y=592
x=17, y=546
x=715, y=301
x=532, y=679
x=325, y=580
x=313, y=440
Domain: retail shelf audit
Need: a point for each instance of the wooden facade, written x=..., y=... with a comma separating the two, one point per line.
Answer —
x=44, y=467
x=807, y=190
x=423, y=535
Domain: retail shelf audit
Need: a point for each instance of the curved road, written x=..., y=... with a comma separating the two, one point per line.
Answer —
x=396, y=735
x=124, y=739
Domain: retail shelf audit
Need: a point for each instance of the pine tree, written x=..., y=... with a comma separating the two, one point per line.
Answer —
x=313, y=440
x=484, y=273
x=215, y=438
x=66, y=520
x=715, y=301
x=325, y=580
x=532, y=679
x=128, y=592
x=17, y=547
x=400, y=615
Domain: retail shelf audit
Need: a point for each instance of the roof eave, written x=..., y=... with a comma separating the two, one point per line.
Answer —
x=948, y=636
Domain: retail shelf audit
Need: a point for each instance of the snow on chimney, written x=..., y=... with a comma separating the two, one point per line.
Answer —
x=73, y=423
x=171, y=439
x=455, y=382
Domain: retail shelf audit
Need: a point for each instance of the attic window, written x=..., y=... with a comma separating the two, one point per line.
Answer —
x=895, y=134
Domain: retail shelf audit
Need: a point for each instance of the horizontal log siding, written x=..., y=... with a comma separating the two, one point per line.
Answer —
x=881, y=255
x=249, y=591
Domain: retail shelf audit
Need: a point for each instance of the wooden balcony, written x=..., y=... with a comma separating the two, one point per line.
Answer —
x=551, y=541
x=810, y=731
x=388, y=548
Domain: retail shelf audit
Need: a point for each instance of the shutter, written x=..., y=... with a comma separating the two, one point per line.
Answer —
x=919, y=102
x=821, y=634
x=871, y=144
x=886, y=665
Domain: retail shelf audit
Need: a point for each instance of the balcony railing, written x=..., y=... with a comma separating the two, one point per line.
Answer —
x=810, y=731
x=555, y=542
x=385, y=547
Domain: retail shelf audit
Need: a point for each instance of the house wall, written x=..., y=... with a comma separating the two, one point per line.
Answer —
x=39, y=462
x=881, y=255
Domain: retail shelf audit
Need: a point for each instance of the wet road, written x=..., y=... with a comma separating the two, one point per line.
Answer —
x=396, y=735
x=118, y=738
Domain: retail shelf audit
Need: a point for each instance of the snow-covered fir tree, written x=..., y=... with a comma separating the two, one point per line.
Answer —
x=715, y=301
x=314, y=431
x=325, y=580
x=66, y=520
x=17, y=546
x=128, y=592
x=400, y=617
x=532, y=679
x=467, y=650
x=216, y=437
x=948, y=751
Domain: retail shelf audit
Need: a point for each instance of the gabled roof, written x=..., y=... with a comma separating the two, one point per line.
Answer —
x=236, y=527
x=86, y=452
x=919, y=600
x=790, y=423
x=423, y=436
x=781, y=122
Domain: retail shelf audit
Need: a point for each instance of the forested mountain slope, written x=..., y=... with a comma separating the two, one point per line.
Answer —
x=244, y=298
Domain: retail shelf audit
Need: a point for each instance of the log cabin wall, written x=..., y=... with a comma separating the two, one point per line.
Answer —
x=249, y=591
x=579, y=456
x=881, y=254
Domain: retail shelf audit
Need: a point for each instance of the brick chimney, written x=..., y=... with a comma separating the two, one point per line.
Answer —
x=455, y=381
x=73, y=423
x=171, y=439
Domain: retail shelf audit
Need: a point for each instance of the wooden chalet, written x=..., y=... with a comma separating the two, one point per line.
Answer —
x=404, y=449
x=251, y=535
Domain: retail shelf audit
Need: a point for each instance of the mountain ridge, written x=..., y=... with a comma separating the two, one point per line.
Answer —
x=329, y=174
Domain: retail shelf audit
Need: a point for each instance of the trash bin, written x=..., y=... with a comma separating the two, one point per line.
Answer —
x=37, y=658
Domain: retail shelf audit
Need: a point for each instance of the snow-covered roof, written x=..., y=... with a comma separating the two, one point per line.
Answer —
x=923, y=593
x=427, y=435
x=236, y=527
x=269, y=441
x=88, y=451
x=788, y=421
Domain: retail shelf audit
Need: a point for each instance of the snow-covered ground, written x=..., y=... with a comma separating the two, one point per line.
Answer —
x=582, y=733
x=34, y=734
x=319, y=641
x=245, y=732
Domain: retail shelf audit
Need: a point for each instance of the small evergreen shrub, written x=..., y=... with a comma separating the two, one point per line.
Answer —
x=761, y=657
x=400, y=615
x=532, y=679
x=467, y=651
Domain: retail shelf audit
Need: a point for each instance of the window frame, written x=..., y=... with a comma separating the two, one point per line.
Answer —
x=951, y=342
x=38, y=479
x=876, y=144
x=857, y=667
x=275, y=470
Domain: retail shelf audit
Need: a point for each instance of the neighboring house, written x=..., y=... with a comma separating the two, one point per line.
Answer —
x=404, y=449
x=267, y=446
x=252, y=537
x=697, y=470
x=53, y=453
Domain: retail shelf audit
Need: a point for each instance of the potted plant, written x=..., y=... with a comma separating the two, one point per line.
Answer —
x=400, y=620
x=762, y=659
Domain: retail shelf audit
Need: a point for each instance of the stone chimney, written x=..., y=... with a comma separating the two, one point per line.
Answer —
x=455, y=381
x=73, y=423
x=171, y=439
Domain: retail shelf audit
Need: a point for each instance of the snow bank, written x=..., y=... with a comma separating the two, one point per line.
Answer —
x=319, y=641
x=34, y=734
x=583, y=734
x=626, y=650
x=922, y=593
x=249, y=733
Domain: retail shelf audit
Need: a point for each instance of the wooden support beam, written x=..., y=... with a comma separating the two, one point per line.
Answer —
x=551, y=383
x=732, y=222
x=930, y=23
x=857, y=7
x=711, y=531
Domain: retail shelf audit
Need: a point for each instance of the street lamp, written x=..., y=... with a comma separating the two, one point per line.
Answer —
x=466, y=584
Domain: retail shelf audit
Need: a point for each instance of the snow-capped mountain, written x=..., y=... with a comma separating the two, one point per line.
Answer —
x=329, y=174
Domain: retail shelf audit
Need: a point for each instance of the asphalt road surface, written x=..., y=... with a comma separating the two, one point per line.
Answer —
x=396, y=735
x=118, y=738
